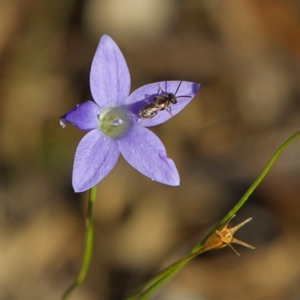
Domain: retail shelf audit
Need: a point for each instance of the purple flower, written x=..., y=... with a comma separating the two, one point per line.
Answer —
x=114, y=123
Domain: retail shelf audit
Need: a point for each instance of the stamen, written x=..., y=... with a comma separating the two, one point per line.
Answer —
x=114, y=121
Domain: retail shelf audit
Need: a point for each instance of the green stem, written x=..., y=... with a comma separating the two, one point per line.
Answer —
x=155, y=282
x=156, y=279
x=88, y=245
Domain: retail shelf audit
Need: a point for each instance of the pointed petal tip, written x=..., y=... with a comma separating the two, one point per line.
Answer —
x=175, y=183
x=78, y=190
x=168, y=181
x=196, y=87
x=83, y=116
x=106, y=37
x=173, y=179
x=170, y=178
x=176, y=180
x=78, y=187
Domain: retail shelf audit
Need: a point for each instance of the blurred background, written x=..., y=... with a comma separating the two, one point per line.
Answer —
x=246, y=55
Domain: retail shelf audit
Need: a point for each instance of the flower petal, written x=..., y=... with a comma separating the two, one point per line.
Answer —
x=109, y=78
x=95, y=157
x=145, y=94
x=83, y=116
x=145, y=152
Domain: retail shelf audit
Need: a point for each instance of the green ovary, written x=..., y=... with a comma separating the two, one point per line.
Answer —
x=114, y=122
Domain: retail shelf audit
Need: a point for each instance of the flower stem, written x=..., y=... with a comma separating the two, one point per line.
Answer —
x=88, y=245
x=157, y=280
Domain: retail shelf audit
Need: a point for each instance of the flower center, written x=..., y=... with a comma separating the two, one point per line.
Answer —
x=114, y=121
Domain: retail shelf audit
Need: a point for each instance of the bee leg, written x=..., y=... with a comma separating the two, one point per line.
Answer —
x=170, y=111
x=153, y=114
x=161, y=90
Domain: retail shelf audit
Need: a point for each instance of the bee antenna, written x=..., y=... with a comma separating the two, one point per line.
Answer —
x=184, y=97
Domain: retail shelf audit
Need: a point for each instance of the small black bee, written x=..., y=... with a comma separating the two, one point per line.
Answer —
x=160, y=102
